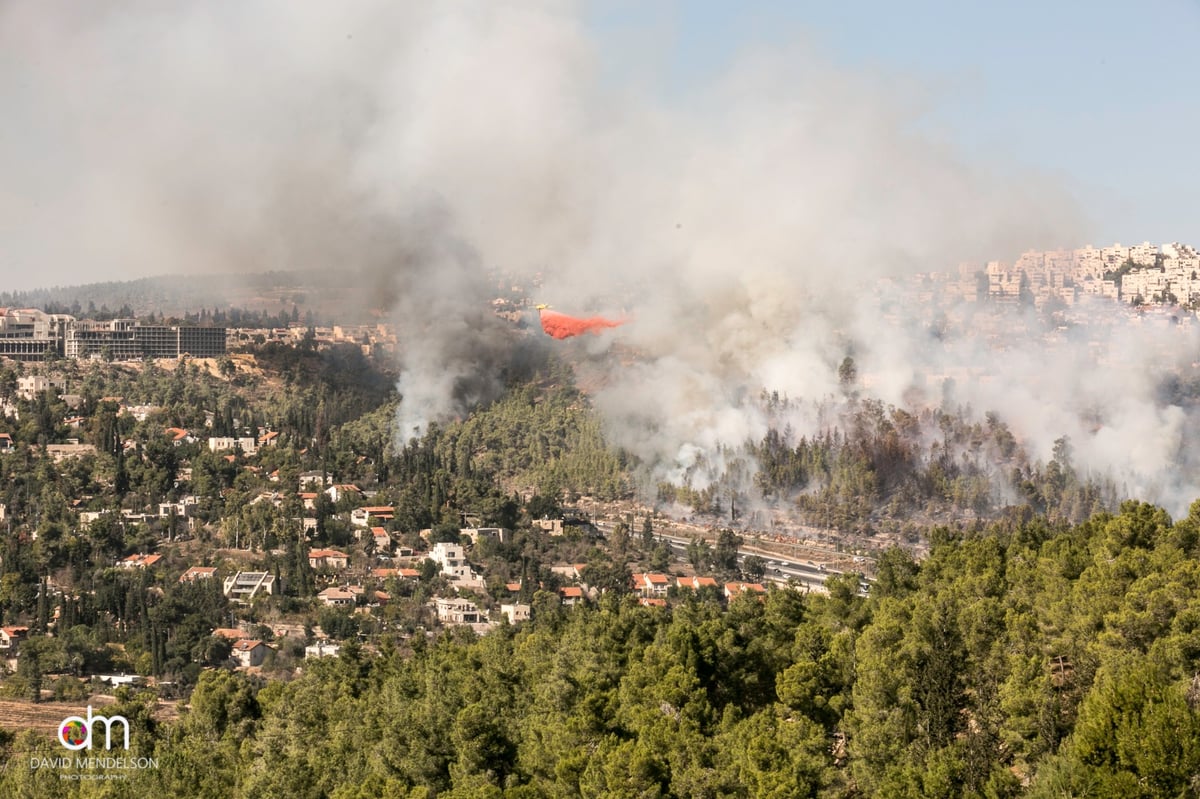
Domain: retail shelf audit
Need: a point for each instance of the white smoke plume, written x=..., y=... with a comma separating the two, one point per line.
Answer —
x=424, y=148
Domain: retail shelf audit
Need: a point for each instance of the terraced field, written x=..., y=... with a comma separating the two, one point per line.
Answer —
x=16, y=715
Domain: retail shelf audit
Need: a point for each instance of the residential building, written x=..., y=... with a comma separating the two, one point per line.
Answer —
x=361, y=517
x=139, y=561
x=339, y=491
x=515, y=612
x=452, y=560
x=138, y=412
x=696, y=583
x=328, y=559
x=116, y=680
x=339, y=597
x=246, y=444
x=198, y=573
x=736, y=589
x=249, y=652
x=570, y=595
x=185, y=507
x=570, y=571
x=402, y=573
x=651, y=584
x=381, y=540
x=60, y=452
x=552, y=526
x=499, y=534
x=322, y=649
x=86, y=517
x=1144, y=254
x=309, y=479
x=456, y=610
x=10, y=640
x=245, y=586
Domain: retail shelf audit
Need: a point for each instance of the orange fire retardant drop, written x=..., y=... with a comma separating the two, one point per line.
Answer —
x=560, y=325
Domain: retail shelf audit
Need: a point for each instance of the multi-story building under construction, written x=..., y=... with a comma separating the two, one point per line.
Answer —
x=28, y=334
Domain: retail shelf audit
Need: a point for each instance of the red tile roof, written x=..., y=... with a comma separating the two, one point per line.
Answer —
x=138, y=559
x=401, y=573
x=197, y=571
x=738, y=588
x=696, y=582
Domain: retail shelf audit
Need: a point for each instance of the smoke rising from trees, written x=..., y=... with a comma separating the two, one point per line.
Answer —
x=420, y=149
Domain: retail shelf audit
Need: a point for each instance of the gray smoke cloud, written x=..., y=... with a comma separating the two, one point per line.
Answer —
x=422, y=149
x=1098, y=375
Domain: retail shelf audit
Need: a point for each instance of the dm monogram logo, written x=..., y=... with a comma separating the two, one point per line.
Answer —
x=75, y=733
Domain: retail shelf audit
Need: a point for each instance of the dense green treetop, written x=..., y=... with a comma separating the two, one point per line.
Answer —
x=1021, y=660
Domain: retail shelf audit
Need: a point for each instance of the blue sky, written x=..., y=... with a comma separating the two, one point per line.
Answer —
x=1103, y=96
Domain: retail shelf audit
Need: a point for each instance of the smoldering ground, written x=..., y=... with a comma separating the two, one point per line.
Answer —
x=418, y=149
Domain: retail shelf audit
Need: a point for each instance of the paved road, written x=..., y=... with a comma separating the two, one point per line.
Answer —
x=779, y=568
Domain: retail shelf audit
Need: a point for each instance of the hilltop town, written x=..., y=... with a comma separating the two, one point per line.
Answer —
x=221, y=495
x=250, y=509
x=232, y=539
x=1143, y=274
